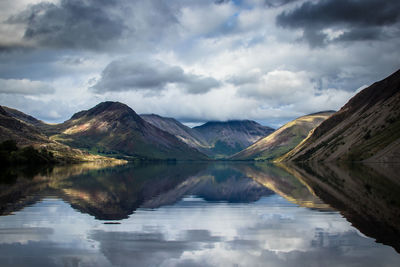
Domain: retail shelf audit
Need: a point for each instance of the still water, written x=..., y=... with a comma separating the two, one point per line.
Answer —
x=215, y=214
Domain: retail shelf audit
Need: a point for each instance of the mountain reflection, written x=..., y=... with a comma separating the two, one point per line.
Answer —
x=200, y=214
x=115, y=193
x=367, y=195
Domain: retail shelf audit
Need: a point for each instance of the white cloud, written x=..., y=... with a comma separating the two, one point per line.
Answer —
x=24, y=87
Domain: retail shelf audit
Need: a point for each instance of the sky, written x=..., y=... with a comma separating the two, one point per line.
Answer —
x=195, y=60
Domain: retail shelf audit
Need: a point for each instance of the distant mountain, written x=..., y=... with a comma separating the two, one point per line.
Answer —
x=367, y=128
x=284, y=139
x=113, y=128
x=227, y=138
x=174, y=127
x=22, y=129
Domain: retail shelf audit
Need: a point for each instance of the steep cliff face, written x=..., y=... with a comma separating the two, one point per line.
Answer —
x=282, y=140
x=367, y=128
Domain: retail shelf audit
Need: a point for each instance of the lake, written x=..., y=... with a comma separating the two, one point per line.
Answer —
x=200, y=214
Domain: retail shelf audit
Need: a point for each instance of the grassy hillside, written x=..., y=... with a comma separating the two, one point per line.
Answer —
x=367, y=128
x=282, y=140
x=27, y=137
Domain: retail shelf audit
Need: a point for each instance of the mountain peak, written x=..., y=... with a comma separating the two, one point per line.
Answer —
x=108, y=106
x=105, y=107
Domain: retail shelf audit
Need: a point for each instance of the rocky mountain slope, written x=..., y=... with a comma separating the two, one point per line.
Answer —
x=185, y=134
x=23, y=131
x=282, y=140
x=227, y=138
x=113, y=128
x=367, y=128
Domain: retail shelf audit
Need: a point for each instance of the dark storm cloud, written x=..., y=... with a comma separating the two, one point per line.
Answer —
x=71, y=24
x=125, y=75
x=277, y=3
x=219, y=2
x=268, y=3
x=360, y=20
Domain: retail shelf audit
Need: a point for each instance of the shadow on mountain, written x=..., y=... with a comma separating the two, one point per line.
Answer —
x=366, y=195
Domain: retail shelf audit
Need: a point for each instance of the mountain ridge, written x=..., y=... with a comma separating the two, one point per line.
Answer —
x=366, y=128
x=283, y=139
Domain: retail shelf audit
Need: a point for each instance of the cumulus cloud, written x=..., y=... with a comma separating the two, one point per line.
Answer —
x=24, y=87
x=297, y=91
x=351, y=20
x=125, y=75
x=280, y=86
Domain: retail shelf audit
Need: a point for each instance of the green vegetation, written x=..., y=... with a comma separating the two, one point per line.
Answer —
x=281, y=149
x=376, y=141
x=11, y=154
x=221, y=149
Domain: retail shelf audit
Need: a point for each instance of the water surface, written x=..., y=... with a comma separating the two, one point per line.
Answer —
x=194, y=214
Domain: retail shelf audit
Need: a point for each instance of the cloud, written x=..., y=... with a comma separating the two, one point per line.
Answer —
x=95, y=24
x=258, y=68
x=296, y=91
x=354, y=19
x=279, y=87
x=126, y=75
x=250, y=77
x=24, y=87
x=72, y=23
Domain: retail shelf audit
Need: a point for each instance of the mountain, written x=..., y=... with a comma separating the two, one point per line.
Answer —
x=185, y=134
x=23, y=131
x=367, y=128
x=284, y=139
x=24, y=117
x=113, y=128
x=227, y=138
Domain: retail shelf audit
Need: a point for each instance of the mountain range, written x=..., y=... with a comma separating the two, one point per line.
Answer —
x=113, y=129
x=217, y=139
x=367, y=128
